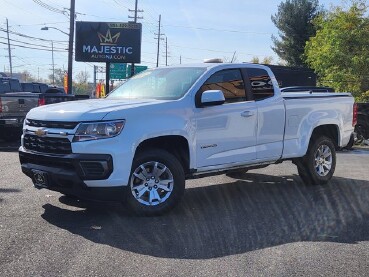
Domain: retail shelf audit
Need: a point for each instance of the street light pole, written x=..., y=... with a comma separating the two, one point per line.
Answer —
x=70, y=45
x=52, y=58
x=70, y=48
x=46, y=28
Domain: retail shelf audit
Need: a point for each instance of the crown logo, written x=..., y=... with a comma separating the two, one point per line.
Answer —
x=108, y=39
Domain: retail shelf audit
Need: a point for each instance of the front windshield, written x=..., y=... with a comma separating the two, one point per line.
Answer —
x=161, y=83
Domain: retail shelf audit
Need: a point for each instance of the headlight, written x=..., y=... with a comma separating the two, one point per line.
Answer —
x=98, y=130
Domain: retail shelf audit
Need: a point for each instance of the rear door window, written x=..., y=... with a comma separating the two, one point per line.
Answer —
x=230, y=82
x=261, y=84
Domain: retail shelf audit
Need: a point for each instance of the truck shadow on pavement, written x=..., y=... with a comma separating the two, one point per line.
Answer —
x=254, y=212
x=7, y=190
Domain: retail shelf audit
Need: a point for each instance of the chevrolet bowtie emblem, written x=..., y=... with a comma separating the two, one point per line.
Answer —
x=41, y=132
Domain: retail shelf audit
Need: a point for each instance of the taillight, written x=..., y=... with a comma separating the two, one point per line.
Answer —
x=354, y=115
x=41, y=101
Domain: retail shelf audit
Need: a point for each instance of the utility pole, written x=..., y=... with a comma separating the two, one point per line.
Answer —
x=52, y=59
x=159, y=38
x=166, y=51
x=135, y=17
x=234, y=54
x=180, y=59
x=9, y=50
x=70, y=47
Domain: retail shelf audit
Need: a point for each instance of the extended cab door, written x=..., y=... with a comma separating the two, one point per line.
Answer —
x=226, y=133
x=271, y=114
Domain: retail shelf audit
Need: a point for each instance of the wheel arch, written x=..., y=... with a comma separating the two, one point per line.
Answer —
x=174, y=144
x=329, y=130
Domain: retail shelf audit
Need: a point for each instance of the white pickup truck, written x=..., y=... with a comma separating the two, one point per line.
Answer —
x=165, y=125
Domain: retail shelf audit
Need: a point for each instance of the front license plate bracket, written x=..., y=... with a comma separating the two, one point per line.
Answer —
x=40, y=179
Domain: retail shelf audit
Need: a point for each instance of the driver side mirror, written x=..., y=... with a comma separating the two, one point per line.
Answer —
x=212, y=98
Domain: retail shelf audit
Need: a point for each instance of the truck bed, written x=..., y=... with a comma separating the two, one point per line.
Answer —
x=302, y=109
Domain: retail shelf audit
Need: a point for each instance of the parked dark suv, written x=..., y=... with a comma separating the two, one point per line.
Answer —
x=362, y=126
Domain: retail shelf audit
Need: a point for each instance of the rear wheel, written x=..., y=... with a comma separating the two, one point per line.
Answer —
x=156, y=183
x=361, y=133
x=319, y=163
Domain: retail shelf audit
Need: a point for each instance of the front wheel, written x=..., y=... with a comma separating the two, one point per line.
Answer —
x=319, y=163
x=156, y=183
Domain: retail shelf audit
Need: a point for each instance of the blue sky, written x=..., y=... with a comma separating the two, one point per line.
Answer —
x=195, y=30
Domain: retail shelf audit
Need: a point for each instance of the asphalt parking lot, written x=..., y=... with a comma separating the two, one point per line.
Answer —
x=266, y=223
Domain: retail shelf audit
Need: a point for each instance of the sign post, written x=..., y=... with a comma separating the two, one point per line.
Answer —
x=107, y=77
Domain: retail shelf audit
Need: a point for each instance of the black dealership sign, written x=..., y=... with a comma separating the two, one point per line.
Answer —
x=108, y=42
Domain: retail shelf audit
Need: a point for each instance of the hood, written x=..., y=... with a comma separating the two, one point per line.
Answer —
x=85, y=110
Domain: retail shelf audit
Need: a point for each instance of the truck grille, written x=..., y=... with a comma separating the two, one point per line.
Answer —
x=47, y=144
x=52, y=124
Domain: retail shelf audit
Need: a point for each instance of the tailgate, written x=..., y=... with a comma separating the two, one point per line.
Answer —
x=15, y=106
x=52, y=98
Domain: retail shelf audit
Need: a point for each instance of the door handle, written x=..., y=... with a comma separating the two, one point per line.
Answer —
x=247, y=113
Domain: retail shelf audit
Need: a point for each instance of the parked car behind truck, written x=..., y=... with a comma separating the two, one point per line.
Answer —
x=166, y=125
x=362, y=126
x=17, y=99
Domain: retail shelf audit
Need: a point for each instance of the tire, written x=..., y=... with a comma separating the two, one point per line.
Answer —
x=156, y=184
x=318, y=165
x=361, y=133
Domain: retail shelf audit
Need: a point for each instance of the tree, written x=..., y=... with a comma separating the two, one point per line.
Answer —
x=59, y=77
x=28, y=77
x=81, y=86
x=339, y=53
x=82, y=77
x=294, y=21
x=255, y=59
x=267, y=60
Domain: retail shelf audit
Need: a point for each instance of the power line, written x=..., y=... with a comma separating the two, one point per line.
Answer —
x=120, y=4
x=30, y=37
x=40, y=24
x=50, y=8
x=28, y=43
x=27, y=47
x=217, y=30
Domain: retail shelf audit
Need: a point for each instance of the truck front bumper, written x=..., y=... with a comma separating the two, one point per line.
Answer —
x=67, y=174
